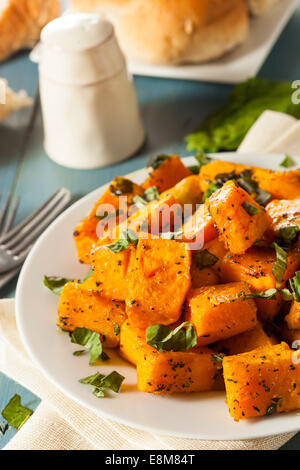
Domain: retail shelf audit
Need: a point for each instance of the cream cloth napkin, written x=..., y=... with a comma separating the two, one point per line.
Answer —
x=59, y=423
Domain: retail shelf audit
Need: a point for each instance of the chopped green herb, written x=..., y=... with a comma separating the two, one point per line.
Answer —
x=79, y=353
x=268, y=294
x=108, y=215
x=128, y=237
x=15, y=414
x=139, y=202
x=285, y=294
x=156, y=161
x=287, y=162
x=280, y=264
x=171, y=235
x=117, y=329
x=121, y=186
x=56, y=284
x=250, y=209
x=103, y=383
x=204, y=259
x=212, y=188
x=89, y=274
x=151, y=194
x=295, y=286
x=202, y=160
x=90, y=340
x=287, y=236
x=219, y=359
x=163, y=338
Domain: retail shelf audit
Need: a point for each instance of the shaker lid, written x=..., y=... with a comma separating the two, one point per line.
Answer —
x=80, y=49
x=77, y=32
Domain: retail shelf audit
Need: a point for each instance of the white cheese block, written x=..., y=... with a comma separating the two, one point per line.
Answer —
x=265, y=130
x=288, y=143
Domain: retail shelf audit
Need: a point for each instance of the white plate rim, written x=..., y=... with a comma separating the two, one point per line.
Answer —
x=21, y=322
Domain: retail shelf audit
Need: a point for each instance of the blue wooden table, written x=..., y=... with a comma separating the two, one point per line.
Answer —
x=170, y=109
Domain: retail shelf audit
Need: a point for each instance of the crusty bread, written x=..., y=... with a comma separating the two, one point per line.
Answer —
x=10, y=101
x=174, y=31
x=21, y=22
x=261, y=7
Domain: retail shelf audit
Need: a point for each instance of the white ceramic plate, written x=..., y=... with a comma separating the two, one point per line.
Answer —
x=202, y=416
x=242, y=63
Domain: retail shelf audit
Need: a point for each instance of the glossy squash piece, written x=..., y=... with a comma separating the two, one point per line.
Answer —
x=168, y=171
x=293, y=317
x=239, y=228
x=177, y=372
x=199, y=229
x=110, y=269
x=85, y=234
x=187, y=191
x=247, y=341
x=133, y=342
x=218, y=313
x=280, y=184
x=262, y=382
x=284, y=213
x=159, y=279
x=207, y=276
x=269, y=308
x=82, y=307
x=255, y=268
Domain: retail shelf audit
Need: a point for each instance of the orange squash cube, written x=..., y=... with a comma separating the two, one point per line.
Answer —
x=262, y=382
x=81, y=307
x=230, y=209
x=293, y=317
x=159, y=279
x=168, y=171
x=284, y=213
x=218, y=313
x=133, y=342
x=177, y=372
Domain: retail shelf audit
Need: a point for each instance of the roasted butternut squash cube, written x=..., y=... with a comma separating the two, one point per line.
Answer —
x=284, y=213
x=206, y=264
x=173, y=372
x=168, y=171
x=85, y=234
x=279, y=184
x=110, y=269
x=81, y=307
x=247, y=341
x=187, y=191
x=199, y=228
x=217, y=312
x=269, y=308
x=156, y=217
x=159, y=279
x=238, y=218
x=262, y=382
x=133, y=342
x=255, y=267
x=203, y=277
x=293, y=317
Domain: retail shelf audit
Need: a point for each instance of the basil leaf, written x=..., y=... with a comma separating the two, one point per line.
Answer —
x=117, y=329
x=15, y=414
x=109, y=215
x=79, y=353
x=287, y=162
x=212, y=188
x=90, y=340
x=121, y=186
x=139, y=202
x=268, y=294
x=171, y=235
x=262, y=197
x=280, y=265
x=163, y=338
x=89, y=274
x=295, y=286
x=102, y=383
x=287, y=236
x=204, y=259
x=286, y=295
x=151, y=194
x=222, y=178
x=156, y=161
x=218, y=358
x=56, y=284
x=194, y=169
x=128, y=237
x=202, y=160
x=250, y=209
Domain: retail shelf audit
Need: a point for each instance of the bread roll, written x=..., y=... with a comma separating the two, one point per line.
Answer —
x=174, y=31
x=10, y=101
x=21, y=22
x=261, y=7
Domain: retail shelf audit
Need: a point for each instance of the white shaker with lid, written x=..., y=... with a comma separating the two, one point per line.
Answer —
x=90, y=111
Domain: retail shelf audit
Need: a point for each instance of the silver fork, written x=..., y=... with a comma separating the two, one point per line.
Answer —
x=16, y=243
